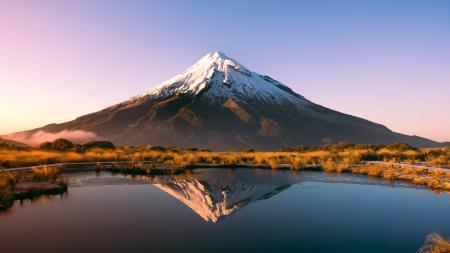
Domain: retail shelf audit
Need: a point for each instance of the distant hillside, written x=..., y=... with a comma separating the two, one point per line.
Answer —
x=4, y=143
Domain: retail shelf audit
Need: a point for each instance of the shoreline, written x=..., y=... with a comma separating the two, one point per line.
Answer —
x=217, y=165
x=35, y=181
x=435, y=178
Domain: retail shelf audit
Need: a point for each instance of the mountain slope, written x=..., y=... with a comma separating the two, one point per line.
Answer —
x=217, y=103
x=11, y=144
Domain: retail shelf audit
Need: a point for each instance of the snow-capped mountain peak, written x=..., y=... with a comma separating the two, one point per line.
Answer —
x=220, y=78
x=219, y=104
x=220, y=62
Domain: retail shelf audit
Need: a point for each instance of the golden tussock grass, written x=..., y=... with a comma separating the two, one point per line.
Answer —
x=7, y=183
x=10, y=181
x=296, y=155
x=434, y=243
x=438, y=180
x=330, y=160
x=44, y=174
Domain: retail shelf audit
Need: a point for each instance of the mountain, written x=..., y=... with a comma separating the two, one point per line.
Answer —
x=219, y=104
x=12, y=144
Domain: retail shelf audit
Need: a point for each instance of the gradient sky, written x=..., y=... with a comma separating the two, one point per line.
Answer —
x=386, y=61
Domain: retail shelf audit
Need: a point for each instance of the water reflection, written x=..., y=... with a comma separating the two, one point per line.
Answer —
x=292, y=211
x=210, y=193
x=32, y=201
x=215, y=193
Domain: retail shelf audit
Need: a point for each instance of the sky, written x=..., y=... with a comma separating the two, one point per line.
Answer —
x=385, y=61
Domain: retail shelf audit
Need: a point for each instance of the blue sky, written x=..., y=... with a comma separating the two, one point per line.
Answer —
x=386, y=61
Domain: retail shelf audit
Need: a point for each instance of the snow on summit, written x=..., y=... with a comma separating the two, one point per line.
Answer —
x=219, y=78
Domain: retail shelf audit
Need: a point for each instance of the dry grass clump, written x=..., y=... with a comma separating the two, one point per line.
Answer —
x=7, y=183
x=30, y=184
x=44, y=174
x=434, y=243
x=439, y=180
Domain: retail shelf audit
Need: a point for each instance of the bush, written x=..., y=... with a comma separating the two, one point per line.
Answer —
x=46, y=145
x=338, y=146
x=370, y=156
x=297, y=149
x=97, y=144
x=59, y=144
x=62, y=145
x=400, y=147
x=157, y=148
x=373, y=147
x=7, y=182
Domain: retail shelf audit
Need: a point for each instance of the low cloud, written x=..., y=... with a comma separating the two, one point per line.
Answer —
x=77, y=136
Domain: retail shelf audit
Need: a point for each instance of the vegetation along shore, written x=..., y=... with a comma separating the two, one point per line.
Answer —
x=150, y=160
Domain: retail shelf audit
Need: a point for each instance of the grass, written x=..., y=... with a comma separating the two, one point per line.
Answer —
x=434, y=243
x=437, y=180
x=28, y=185
x=183, y=158
x=335, y=158
x=7, y=184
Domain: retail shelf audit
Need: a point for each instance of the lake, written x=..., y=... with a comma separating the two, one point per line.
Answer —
x=225, y=210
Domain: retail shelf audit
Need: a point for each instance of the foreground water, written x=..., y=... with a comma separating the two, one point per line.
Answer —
x=221, y=210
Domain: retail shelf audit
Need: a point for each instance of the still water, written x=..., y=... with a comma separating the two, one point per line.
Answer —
x=224, y=210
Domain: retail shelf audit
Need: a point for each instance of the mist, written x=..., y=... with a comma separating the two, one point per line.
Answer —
x=76, y=136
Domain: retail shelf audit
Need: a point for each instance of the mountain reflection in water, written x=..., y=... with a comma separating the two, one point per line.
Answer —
x=215, y=193
x=301, y=211
x=212, y=193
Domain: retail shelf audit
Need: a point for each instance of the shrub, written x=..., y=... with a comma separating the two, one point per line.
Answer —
x=400, y=147
x=7, y=182
x=97, y=144
x=46, y=145
x=62, y=145
x=44, y=174
x=157, y=148
x=370, y=156
x=59, y=145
